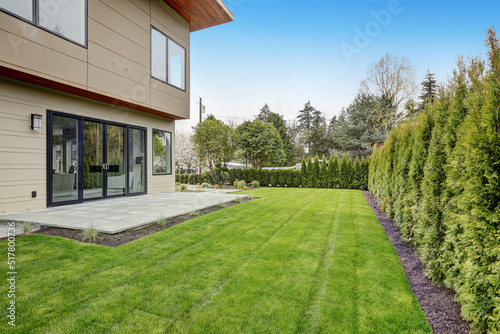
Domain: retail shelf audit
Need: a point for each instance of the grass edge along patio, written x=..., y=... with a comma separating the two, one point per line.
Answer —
x=264, y=266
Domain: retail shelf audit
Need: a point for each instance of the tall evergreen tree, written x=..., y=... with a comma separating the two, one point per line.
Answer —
x=305, y=117
x=357, y=128
x=264, y=113
x=333, y=171
x=303, y=172
x=323, y=173
x=316, y=180
x=429, y=90
x=309, y=183
x=344, y=173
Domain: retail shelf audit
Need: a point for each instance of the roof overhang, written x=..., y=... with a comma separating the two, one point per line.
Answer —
x=202, y=14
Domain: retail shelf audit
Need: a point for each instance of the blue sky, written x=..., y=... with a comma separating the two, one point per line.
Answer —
x=285, y=53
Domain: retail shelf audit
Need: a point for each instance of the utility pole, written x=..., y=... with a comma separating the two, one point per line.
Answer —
x=201, y=108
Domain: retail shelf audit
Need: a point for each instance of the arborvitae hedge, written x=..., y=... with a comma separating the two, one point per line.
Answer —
x=438, y=176
x=318, y=175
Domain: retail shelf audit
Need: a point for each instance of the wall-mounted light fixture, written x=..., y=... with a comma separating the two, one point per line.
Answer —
x=36, y=122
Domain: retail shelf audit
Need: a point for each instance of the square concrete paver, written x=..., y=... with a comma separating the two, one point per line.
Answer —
x=119, y=214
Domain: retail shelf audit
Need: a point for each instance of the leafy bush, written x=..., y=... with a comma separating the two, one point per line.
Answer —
x=206, y=185
x=182, y=187
x=254, y=183
x=241, y=184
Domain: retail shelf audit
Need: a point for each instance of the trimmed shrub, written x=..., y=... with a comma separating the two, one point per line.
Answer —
x=438, y=175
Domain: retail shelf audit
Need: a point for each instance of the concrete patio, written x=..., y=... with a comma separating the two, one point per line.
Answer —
x=119, y=214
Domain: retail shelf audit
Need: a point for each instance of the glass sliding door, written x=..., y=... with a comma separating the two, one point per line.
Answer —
x=64, y=159
x=136, y=161
x=92, y=160
x=116, y=160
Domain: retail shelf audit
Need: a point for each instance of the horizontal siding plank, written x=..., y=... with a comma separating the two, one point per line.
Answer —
x=123, y=26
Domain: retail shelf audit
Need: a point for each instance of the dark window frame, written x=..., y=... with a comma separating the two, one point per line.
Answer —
x=168, y=155
x=35, y=22
x=81, y=119
x=166, y=65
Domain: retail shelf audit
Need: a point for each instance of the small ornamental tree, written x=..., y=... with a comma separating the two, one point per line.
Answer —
x=316, y=181
x=310, y=174
x=303, y=172
x=343, y=173
x=323, y=173
x=333, y=171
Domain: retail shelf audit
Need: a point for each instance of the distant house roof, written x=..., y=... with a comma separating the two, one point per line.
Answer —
x=202, y=14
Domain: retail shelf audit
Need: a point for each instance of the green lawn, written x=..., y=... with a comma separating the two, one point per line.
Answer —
x=294, y=261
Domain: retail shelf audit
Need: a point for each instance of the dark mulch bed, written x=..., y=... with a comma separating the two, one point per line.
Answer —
x=121, y=238
x=439, y=307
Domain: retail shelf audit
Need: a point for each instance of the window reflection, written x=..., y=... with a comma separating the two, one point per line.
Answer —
x=162, y=146
x=64, y=159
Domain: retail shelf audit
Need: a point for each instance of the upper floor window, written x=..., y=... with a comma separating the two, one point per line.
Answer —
x=168, y=60
x=66, y=18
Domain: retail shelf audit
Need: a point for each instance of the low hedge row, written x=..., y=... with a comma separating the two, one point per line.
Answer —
x=345, y=174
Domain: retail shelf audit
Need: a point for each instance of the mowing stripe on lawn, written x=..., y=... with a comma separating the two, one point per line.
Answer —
x=232, y=274
x=294, y=261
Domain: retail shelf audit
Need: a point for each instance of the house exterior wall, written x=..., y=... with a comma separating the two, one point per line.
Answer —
x=23, y=157
x=117, y=59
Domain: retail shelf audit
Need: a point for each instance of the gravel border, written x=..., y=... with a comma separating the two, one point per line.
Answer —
x=438, y=304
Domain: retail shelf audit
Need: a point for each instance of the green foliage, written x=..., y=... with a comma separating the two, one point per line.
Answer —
x=241, y=184
x=429, y=90
x=218, y=176
x=359, y=126
x=259, y=144
x=90, y=233
x=333, y=172
x=438, y=175
x=323, y=175
x=316, y=179
x=213, y=142
x=326, y=173
x=303, y=171
x=279, y=123
x=254, y=183
x=206, y=185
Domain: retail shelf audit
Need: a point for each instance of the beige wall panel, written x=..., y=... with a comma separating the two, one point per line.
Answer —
x=169, y=103
x=11, y=175
x=169, y=89
x=12, y=141
x=107, y=16
x=7, y=192
x=115, y=42
x=145, y=5
x=43, y=60
x=115, y=85
x=24, y=33
x=21, y=158
x=22, y=204
x=131, y=11
x=119, y=65
x=137, y=11
x=163, y=14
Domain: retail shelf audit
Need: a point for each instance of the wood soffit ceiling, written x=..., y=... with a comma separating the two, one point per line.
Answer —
x=202, y=14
